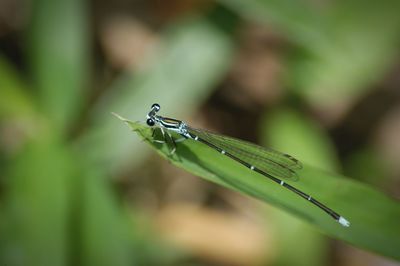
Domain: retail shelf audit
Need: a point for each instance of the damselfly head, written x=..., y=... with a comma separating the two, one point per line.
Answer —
x=151, y=116
x=150, y=122
x=155, y=107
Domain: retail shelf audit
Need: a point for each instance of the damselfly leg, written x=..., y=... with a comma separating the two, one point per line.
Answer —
x=154, y=135
x=167, y=139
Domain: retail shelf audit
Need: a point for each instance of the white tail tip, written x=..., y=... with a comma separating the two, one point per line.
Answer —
x=343, y=221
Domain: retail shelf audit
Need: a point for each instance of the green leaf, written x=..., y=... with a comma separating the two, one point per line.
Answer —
x=105, y=231
x=37, y=205
x=58, y=39
x=374, y=216
x=14, y=100
x=299, y=20
x=342, y=48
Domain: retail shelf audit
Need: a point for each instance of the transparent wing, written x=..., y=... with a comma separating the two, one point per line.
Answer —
x=270, y=161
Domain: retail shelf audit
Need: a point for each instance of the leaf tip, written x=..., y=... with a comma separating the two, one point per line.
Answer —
x=119, y=117
x=133, y=125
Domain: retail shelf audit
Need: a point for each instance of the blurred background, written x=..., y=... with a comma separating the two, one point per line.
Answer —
x=319, y=79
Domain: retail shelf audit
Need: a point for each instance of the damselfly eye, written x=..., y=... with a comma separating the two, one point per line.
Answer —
x=156, y=107
x=150, y=122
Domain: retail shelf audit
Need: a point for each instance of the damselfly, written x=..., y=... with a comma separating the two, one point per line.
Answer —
x=269, y=163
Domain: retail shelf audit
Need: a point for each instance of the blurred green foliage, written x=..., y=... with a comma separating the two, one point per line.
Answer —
x=343, y=47
x=57, y=203
x=58, y=38
x=59, y=208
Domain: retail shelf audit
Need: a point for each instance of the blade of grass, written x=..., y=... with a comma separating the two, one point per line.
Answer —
x=58, y=40
x=113, y=235
x=37, y=205
x=14, y=100
x=342, y=48
x=105, y=232
x=301, y=20
x=374, y=216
